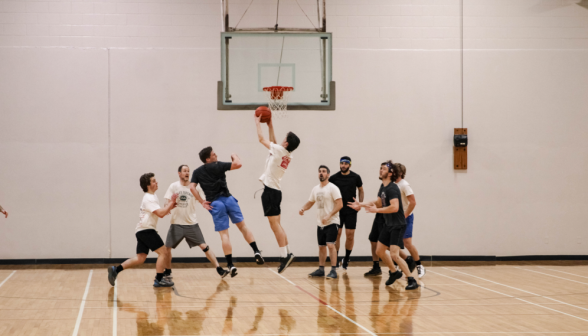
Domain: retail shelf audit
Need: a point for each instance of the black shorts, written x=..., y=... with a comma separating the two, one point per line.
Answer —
x=392, y=237
x=326, y=234
x=271, y=200
x=148, y=240
x=348, y=220
x=376, y=228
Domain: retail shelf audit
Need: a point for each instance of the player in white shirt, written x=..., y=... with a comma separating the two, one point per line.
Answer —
x=409, y=203
x=277, y=162
x=147, y=237
x=184, y=223
x=329, y=202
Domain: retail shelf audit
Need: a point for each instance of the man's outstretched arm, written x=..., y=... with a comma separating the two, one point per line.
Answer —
x=263, y=140
x=272, y=135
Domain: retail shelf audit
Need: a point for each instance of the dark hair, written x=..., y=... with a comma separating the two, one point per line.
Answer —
x=205, y=154
x=347, y=158
x=392, y=169
x=293, y=141
x=401, y=169
x=182, y=166
x=327, y=168
x=145, y=181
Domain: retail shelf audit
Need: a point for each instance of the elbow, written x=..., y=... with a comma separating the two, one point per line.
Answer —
x=237, y=165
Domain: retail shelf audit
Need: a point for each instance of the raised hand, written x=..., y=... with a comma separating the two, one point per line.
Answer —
x=354, y=205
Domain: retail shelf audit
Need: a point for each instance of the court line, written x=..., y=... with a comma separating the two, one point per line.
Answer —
x=581, y=276
x=522, y=290
x=114, y=310
x=81, y=313
x=510, y=296
x=8, y=277
x=324, y=303
x=555, y=276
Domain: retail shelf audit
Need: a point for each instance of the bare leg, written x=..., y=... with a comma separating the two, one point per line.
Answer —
x=381, y=251
x=349, y=239
x=209, y=255
x=161, y=259
x=375, y=256
x=278, y=230
x=169, y=257
x=137, y=260
x=322, y=255
x=394, y=249
x=412, y=249
x=226, y=241
x=338, y=241
x=402, y=254
x=247, y=234
x=333, y=254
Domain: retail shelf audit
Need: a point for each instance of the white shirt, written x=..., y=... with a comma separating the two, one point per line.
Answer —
x=405, y=191
x=276, y=164
x=325, y=198
x=185, y=211
x=147, y=219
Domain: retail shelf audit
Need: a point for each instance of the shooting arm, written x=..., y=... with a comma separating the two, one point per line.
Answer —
x=272, y=135
x=260, y=137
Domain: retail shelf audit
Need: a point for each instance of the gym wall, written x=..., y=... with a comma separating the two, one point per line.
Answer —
x=94, y=94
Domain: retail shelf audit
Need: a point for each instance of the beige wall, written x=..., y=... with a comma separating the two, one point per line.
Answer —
x=92, y=95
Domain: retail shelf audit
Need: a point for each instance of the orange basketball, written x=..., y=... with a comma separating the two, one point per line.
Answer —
x=265, y=113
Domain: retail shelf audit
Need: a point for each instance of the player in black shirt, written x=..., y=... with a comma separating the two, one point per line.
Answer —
x=220, y=203
x=349, y=183
x=389, y=205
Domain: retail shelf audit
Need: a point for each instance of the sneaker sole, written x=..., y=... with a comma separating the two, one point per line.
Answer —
x=329, y=278
x=234, y=272
x=417, y=287
x=161, y=286
x=259, y=260
x=224, y=274
x=287, y=264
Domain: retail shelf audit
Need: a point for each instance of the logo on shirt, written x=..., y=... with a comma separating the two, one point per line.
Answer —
x=285, y=162
x=320, y=200
x=383, y=197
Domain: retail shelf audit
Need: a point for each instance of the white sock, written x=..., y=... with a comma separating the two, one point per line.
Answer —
x=284, y=251
x=288, y=247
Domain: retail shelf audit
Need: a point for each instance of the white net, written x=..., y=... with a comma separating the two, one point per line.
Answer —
x=278, y=100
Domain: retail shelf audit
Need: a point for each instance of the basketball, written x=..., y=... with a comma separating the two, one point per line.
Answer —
x=265, y=113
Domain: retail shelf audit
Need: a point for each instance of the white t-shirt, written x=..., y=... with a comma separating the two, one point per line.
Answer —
x=147, y=219
x=185, y=211
x=405, y=191
x=276, y=164
x=325, y=198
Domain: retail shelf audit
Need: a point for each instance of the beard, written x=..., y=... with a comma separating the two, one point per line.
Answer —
x=344, y=170
x=380, y=177
x=322, y=179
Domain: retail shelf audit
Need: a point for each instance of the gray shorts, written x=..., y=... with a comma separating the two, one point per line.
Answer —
x=178, y=232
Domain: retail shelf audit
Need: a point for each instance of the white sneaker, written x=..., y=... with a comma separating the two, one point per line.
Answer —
x=421, y=271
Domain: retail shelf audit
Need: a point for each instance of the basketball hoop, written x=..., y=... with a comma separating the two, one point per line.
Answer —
x=278, y=99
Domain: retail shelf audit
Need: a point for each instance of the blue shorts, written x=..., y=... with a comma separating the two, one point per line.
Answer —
x=222, y=209
x=409, y=222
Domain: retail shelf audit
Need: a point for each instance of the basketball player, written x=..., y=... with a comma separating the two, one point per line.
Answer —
x=328, y=197
x=277, y=162
x=147, y=237
x=220, y=203
x=409, y=203
x=4, y=212
x=184, y=223
x=392, y=233
x=348, y=183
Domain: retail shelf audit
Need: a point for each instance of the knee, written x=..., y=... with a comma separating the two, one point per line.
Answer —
x=204, y=248
x=331, y=246
x=142, y=257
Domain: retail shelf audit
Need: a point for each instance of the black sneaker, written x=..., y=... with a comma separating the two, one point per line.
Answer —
x=112, y=275
x=258, y=258
x=222, y=272
x=318, y=273
x=411, y=264
x=332, y=275
x=393, y=277
x=374, y=272
x=345, y=263
x=285, y=262
x=233, y=271
x=412, y=284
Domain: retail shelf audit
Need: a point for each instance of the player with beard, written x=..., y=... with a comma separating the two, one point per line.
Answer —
x=391, y=237
x=348, y=183
x=184, y=224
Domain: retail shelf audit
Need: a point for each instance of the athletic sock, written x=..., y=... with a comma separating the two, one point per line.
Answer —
x=322, y=268
x=418, y=262
x=376, y=264
x=288, y=249
x=347, y=254
x=284, y=251
x=333, y=268
x=254, y=247
x=159, y=277
x=119, y=269
x=167, y=271
x=229, y=258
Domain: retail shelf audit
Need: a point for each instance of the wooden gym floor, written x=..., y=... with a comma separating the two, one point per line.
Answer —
x=515, y=299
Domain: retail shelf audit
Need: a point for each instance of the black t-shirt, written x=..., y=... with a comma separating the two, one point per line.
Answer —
x=212, y=179
x=386, y=193
x=348, y=185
